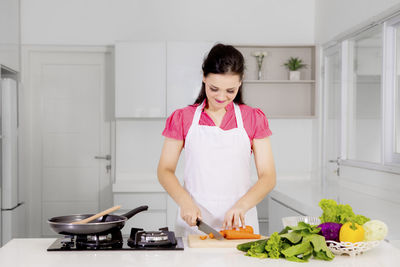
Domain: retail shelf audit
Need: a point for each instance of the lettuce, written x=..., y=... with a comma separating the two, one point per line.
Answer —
x=339, y=213
x=294, y=243
x=303, y=242
x=274, y=245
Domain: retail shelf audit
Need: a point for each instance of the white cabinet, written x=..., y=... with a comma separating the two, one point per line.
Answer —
x=184, y=72
x=152, y=219
x=152, y=79
x=262, y=211
x=9, y=34
x=140, y=79
x=277, y=210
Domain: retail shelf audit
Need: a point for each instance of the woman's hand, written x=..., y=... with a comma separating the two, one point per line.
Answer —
x=233, y=217
x=189, y=213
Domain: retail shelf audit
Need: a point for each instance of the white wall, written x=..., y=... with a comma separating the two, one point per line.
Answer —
x=335, y=17
x=138, y=151
x=101, y=22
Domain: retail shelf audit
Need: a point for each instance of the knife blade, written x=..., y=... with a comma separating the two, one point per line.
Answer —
x=205, y=228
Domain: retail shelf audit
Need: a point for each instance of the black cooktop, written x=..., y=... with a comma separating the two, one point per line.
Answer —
x=113, y=240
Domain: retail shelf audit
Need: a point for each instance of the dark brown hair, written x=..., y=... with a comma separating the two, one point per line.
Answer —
x=222, y=59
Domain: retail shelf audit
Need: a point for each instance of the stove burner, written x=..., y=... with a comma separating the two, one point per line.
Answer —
x=160, y=238
x=155, y=236
x=113, y=240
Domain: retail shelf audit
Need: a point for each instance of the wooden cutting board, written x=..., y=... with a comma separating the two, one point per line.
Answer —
x=194, y=241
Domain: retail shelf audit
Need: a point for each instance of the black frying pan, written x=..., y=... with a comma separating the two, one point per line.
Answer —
x=63, y=224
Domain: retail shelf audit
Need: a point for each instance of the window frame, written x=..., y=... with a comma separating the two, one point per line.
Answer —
x=389, y=78
x=390, y=161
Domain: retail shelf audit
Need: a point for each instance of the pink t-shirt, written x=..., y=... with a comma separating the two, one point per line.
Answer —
x=254, y=121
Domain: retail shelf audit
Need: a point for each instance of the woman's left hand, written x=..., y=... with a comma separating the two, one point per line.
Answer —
x=233, y=217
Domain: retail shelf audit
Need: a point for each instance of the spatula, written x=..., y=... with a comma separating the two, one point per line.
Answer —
x=98, y=215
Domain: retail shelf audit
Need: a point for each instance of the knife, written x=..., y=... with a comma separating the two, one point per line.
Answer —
x=205, y=228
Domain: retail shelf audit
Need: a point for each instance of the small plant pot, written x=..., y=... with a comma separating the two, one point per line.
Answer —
x=294, y=75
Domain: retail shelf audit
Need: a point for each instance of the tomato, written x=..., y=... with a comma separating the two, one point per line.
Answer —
x=347, y=234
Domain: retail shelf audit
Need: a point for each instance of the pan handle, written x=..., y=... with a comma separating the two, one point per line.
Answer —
x=130, y=214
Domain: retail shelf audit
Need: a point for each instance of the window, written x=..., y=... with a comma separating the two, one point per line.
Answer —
x=392, y=91
x=364, y=116
x=397, y=93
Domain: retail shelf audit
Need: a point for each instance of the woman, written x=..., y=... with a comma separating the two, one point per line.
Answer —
x=218, y=133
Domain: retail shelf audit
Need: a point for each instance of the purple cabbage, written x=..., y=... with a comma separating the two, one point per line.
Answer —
x=330, y=230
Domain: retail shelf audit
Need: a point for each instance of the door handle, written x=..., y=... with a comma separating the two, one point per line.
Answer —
x=106, y=157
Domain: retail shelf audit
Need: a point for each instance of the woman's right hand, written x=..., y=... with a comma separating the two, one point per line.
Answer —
x=189, y=213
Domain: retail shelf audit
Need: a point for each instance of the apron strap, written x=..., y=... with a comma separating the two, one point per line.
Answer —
x=197, y=114
x=238, y=115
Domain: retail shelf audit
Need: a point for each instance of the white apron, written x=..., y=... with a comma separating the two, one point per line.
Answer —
x=217, y=172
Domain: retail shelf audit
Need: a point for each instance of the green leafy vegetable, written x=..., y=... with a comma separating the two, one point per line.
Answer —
x=321, y=251
x=339, y=213
x=273, y=246
x=246, y=246
x=294, y=237
x=301, y=248
x=360, y=219
x=297, y=243
x=257, y=249
x=311, y=244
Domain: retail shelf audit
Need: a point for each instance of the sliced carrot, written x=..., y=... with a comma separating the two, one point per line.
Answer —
x=235, y=234
x=247, y=229
x=202, y=237
x=222, y=232
x=211, y=235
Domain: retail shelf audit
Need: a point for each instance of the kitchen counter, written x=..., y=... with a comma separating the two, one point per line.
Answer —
x=32, y=252
x=304, y=195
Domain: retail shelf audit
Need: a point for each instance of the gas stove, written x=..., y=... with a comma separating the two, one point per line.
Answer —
x=113, y=240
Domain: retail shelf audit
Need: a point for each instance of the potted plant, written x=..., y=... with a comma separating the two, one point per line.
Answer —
x=294, y=64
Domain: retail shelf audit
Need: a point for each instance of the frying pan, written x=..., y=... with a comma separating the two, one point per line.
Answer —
x=63, y=224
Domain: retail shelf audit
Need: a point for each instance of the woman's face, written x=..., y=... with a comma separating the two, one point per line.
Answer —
x=221, y=89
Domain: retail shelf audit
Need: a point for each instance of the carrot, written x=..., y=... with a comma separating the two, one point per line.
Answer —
x=235, y=234
x=247, y=229
x=202, y=237
x=211, y=235
x=222, y=232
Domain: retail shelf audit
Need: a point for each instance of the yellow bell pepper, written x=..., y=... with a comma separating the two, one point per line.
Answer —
x=348, y=234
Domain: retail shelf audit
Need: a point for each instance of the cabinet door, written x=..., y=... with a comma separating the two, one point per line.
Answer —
x=277, y=211
x=9, y=34
x=184, y=73
x=140, y=79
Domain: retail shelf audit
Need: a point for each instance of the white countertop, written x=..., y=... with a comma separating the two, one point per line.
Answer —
x=32, y=252
x=304, y=195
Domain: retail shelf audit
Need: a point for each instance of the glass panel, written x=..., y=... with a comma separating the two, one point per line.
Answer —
x=397, y=93
x=333, y=92
x=332, y=120
x=365, y=118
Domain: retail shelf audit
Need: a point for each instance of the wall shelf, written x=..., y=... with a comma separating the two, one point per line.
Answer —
x=276, y=95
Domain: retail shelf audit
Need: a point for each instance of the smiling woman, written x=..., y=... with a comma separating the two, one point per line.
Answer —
x=218, y=133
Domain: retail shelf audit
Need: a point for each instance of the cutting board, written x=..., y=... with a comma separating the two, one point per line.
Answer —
x=194, y=241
